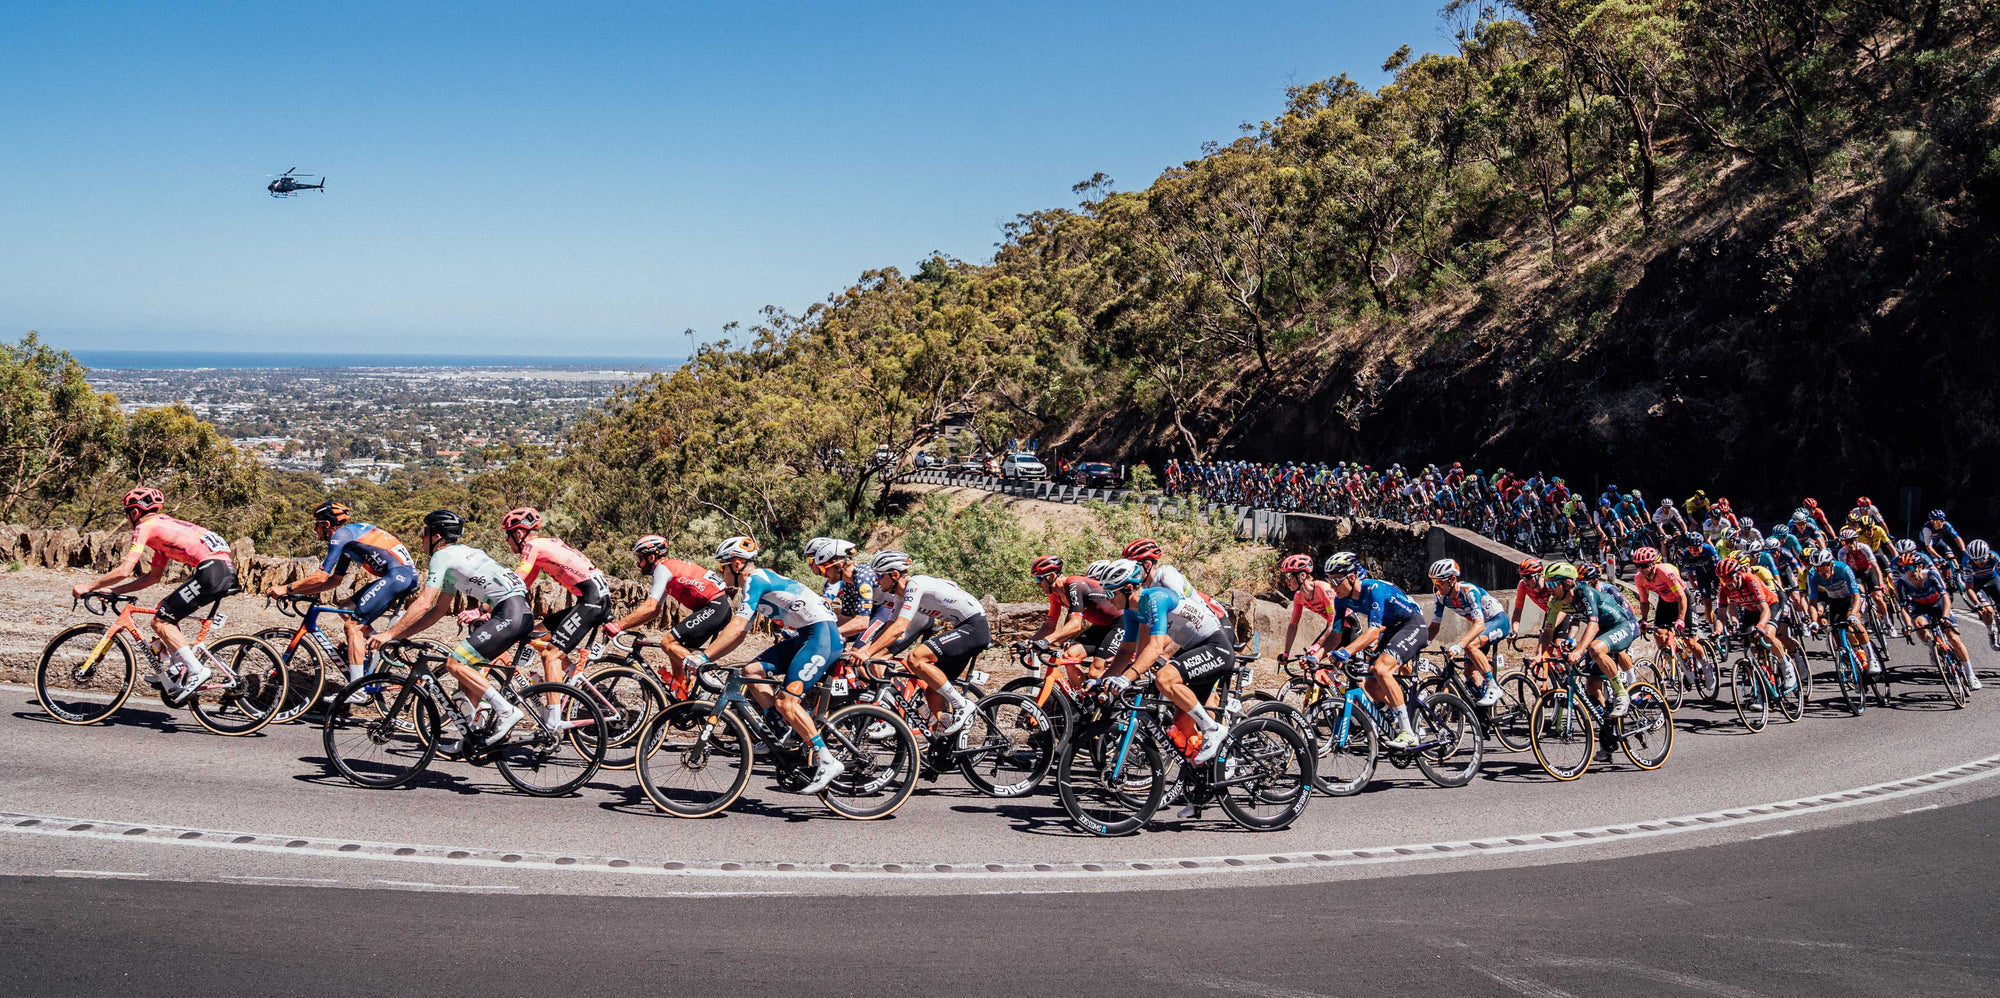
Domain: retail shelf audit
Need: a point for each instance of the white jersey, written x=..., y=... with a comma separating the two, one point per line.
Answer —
x=937, y=599
x=464, y=569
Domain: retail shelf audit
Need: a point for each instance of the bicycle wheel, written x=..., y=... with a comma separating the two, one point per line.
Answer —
x=1646, y=732
x=693, y=761
x=1708, y=678
x=558, y=747
x=1793, y=704
x=1346, y=747
x=1847, y=673
x=1111, y=783
x=630, y=699
x=1561, y=735
x=384, y=737
x=1672, y=680
x=1752, y=695
x=1518, y=694
x=1646, y=671
x=1878, y=632
x=1453, y=749
x=1008, y=747
x=85, y=675
x=249, y=701
x=1951, y=675
x=1266, y=774
x=305, y=672
x=882, y=761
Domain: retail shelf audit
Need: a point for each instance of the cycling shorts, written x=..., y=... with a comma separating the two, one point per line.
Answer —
x=1406, y=641
x=568, y=626
x=1666, y=613
x=510, y=620
x=1619, y=638
x=374, y=599
x=1838, y=608
x=1989, y=585
x=698, y=628
x=805, y=656
x=1939, y=611
x=1496, y=627
x=1101, y=640
x=212, y=580
x=1203, y=665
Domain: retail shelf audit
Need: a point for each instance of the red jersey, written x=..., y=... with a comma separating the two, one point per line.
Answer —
x=176, y=539
x=1079, y=594
x=690, y=585
x=1747, y=591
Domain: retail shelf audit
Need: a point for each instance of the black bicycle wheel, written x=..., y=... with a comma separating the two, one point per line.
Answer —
x=692, y=761
x=246, y=689
x=1452, y=749
x=882, y=759
x=1518, y=694
x=1111, y=784
x=1646, y=732
x=558, y=747
x=1346, y=747
x=1708, y=671
x=1750, y=694
x=305, y=672
x=1008, y=747
x=1266, y=774
x=1847, y=673
x=1951, y=675
x=1561, y=735
x=1792, y=703
x=383, y=737
x=79, y=682
x=630, y=698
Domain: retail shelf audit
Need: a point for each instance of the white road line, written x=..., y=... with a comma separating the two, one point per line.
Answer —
x=104, y=873
x=1657, y=974
x=450, y=887
x=1926, y=807
x=1773, y=835
x=289, y=880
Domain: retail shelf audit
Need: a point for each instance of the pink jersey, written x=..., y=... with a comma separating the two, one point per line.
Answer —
x=1316, y=595
x=179, y=540
x=564, y=564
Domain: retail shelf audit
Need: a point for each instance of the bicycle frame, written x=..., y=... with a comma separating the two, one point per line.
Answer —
x=126, y=624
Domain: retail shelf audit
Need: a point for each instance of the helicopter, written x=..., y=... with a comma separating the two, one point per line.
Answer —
x=287, y=185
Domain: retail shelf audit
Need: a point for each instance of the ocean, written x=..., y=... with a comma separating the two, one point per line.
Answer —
x=180, y=360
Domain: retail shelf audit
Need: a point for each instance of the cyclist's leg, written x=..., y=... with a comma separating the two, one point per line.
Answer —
x=511, y=618
x=694, y=632
x=370, y=604
x=212, y=579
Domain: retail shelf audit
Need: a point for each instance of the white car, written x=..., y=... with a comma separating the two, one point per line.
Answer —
x=1022, y=464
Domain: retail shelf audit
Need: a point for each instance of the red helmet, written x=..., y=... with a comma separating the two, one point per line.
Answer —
x=1143, y=549
x=1646, y=555
x=1864, y=501
x=145, y=499
x=1729, y=568
x=525, y=518
x=1297, y=563
x=1722, y=504
x=1812, y=503
x=1047, y=564
x=1531, y=566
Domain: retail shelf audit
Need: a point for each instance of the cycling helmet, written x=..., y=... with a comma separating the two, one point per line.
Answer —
x=1646, y=556
x=1047, y=564
x=1864, y=501
x=1801, y=514
x=1590, y=571
x=833, y=550
x=1906, y=546
x=1611, y=488
x=1667, y=503
x=1722, y=503
x=1123, y=574
x=145, y=499
x=1096, y=570
x=1821, y=556
x=1627, y=497
x=1937, y=514
x=1693, y=539
x=1342, y=563
x=734, y=548
x=444, y=523
x=812, y=548
x=650, y=546
x=525, y=518
x=889, y=561
x=1444, y=568
x=1531, y=566
x=1143, y=549
x=1746, y=523
x=1559, y=571
x=1978, y=549
x=1812, y=503
x=1297, y=563
x=1729, y=568
x=331, y=512
x=1849, y=534
x=1909, y=562
x=1603, y=502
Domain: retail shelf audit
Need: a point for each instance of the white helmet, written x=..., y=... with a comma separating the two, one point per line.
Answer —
x=830, y=550
x=1122, y=574
x=737, y=547
x=1906, y=546
x=1821, y=556
x=1444, y=568
x=1096, y=570
x=1978, y=549
x=890, y=561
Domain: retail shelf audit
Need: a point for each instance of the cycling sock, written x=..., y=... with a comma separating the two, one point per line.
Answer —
x=1202, y=720
x=1403, y=718
x=186, y=655
x=819, y=748
x=494, y=699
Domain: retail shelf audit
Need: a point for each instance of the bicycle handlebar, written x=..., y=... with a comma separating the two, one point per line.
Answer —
x=99, y=602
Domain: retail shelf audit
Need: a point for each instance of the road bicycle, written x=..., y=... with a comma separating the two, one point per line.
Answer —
x=1121, y=764
x=1753, y=683
x=1345, y=727
x=1004, y=750
x=1569, y=726
x=88, y=670
x=1950, y=669
x=1506, y=721
x=386, y=728
x=310, y=654
x=1853, y=680
x=696, y=756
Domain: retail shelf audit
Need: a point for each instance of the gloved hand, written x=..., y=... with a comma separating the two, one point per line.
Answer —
x=613, y=630
x=1341, y=655
x=694, y=661
x=1455, y=651
x=1040, y=645
x=1117, y=684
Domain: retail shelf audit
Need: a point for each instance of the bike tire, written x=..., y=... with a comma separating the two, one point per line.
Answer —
x=636, y=697
x=1511, y=716
x=1276, y=762
x=1794, y=706
x=75, y=688
x=1673, y=680
x=1108, y=792
x=1951, y=675
x=544, y=760
x=1847, y=673
x=1708, y=672
x=257, y=696
x=1448, y=719
x=1009, y=746
x=882, y=764
x=1343, y=762
x=387, y=737
x=305, y=672
x=1562, y=736
x=687, y=775
x=1646, y=732
x=1751, y=696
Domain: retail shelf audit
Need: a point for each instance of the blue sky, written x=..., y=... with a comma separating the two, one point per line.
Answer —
x=579, y=177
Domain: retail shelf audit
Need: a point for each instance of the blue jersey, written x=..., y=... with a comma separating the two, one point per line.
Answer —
x=1185, y=621
x=769, y=594
x=1476, y=605
x=1842, y=584
x=1928, y=589
x=853, y=599
x=1936, y=538
x=1381, y=603
x=1702, y=559
x=376, y=549
x=1982, y=570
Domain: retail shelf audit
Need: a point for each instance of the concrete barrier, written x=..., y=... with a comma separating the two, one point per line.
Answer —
x=1482, y=561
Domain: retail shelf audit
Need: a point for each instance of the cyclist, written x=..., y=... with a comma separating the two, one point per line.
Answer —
x=812, y=643
x=1982, y=576
x=461, y=569
x=698, y=590
x=1927, y=604
x=1698, y=561
x=1865, y=511
x=376, y=550
x=850, y=588
x=1295, y=575
x=1832, y=583
x=1753, y=601
x=1178, y=639
x=953, y=632
x=1080, y=611
x=1391, y=616
x=170, y=540
x=1940, y=539
x=1531, y=587
x=1667, y=521
x=573, y=571
x=1146, y=551
x=1867, y=565
x=1608, y=630
x=1697, y=507
x=1657, y=578
x=1489, y=623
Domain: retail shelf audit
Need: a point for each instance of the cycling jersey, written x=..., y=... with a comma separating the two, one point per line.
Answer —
x=1928, y=590
x=564, y=564
x=1476, y=605
x=377, y=550
x=1316, y=595
x=1980, y=571
x=937, y=599
x=177, y=540
x=1933, y=538
x=1701, y=559
x=1840, y=584
x=1747, y=592
x=1662, y=580
x=1859, y=558
x=1875, y=537
x=1532, y=589
x=1185, y=622
x=855, y=597
x=789, y=602
x=1593, y=604
x=466, y=570
x=1080, y=595
x=1383, y=605
x=690, y=585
